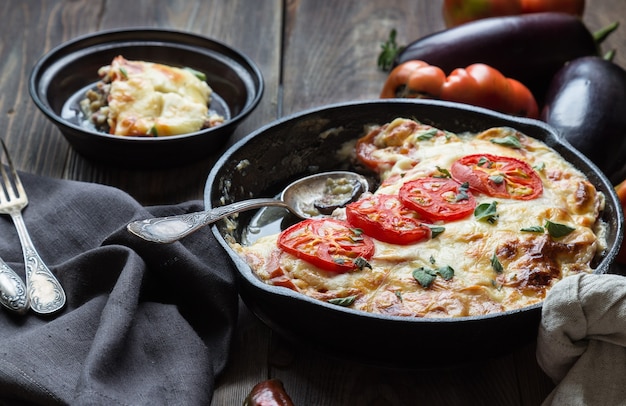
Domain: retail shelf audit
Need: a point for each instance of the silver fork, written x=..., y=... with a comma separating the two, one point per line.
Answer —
x=12, y=290
x=44, y=290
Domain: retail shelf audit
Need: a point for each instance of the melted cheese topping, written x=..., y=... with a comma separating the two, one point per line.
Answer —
x=530, y=262
x=151, y=99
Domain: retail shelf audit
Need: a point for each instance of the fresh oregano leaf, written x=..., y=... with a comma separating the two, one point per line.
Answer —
x=533, y=229
x=508, y=141
x=427, y=135
x=357, y=235
x=486, y=212
x=484, y=162
x=357, y=231
x=496, y=264
x=436, y=230
x=343, y=301
x=446, y=272
x=463, y=192
x=424, y=276
x=497, y=179
x=442, y=173
x=558, y=230
x=361, y=263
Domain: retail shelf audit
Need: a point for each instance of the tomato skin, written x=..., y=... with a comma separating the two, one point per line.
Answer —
x=438, y=199
x=575, y=7
x=329, y=244
x=456, y=12
x=365, y=148
x=385, y=218
x=517, y=180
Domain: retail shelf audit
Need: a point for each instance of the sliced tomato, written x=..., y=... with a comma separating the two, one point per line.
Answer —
x=365, y=151
x=438, y=199
x=392, y=138
x=385, y=218
x=498, y=176
x=329, y=244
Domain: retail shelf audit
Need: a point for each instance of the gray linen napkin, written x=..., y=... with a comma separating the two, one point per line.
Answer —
x=582, y=340
x=145, y=324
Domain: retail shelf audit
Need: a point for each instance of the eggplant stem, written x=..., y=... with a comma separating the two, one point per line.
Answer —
x=602, y=34
x=390, y=50
x=609, y=55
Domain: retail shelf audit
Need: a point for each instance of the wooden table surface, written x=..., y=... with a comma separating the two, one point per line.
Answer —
x=311, y=52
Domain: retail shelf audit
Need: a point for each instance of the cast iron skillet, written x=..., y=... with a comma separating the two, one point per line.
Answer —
x=307, y=142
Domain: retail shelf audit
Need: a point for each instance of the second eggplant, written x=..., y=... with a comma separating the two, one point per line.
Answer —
x=586, y=104
x=530, y=48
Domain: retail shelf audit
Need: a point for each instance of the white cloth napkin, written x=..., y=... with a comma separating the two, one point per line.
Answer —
x=582, y=340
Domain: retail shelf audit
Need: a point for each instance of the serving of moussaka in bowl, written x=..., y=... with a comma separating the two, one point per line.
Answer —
x=471, y=218
x=145, y=97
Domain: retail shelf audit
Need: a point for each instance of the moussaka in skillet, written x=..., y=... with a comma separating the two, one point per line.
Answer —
x=460, y=225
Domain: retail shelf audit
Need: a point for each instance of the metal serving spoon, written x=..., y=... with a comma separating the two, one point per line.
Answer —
x=313, y=196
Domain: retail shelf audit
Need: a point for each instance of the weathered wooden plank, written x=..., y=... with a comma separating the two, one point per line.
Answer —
x=30, y=28
x=331, y=48
x=314, y=378
x=39, y=147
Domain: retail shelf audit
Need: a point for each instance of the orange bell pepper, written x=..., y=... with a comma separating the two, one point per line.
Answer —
x=478, y=85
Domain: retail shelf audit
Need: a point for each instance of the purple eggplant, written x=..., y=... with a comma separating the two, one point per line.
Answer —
x=586, y=104
x=530, y=48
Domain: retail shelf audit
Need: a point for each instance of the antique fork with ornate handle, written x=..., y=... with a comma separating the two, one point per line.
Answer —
x=44, y=290
x=12, y=289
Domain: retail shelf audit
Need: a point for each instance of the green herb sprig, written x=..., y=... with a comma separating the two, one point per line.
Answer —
x=555, y=230
x=343, y=301
x=426, y=276
x=487, y=212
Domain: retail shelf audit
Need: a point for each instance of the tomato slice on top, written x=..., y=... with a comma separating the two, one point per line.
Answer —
x=329, y=244
x=438, y=198
x=498, y=176
x=385, y=218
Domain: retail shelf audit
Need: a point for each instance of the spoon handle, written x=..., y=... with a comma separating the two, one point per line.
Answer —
x=173, y=228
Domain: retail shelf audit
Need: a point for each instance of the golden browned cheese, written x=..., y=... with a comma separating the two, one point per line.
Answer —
x=151, y=99
x=531, y=262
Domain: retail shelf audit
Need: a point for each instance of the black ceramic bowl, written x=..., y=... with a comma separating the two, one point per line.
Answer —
x=60, y=78
x=307, y=142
